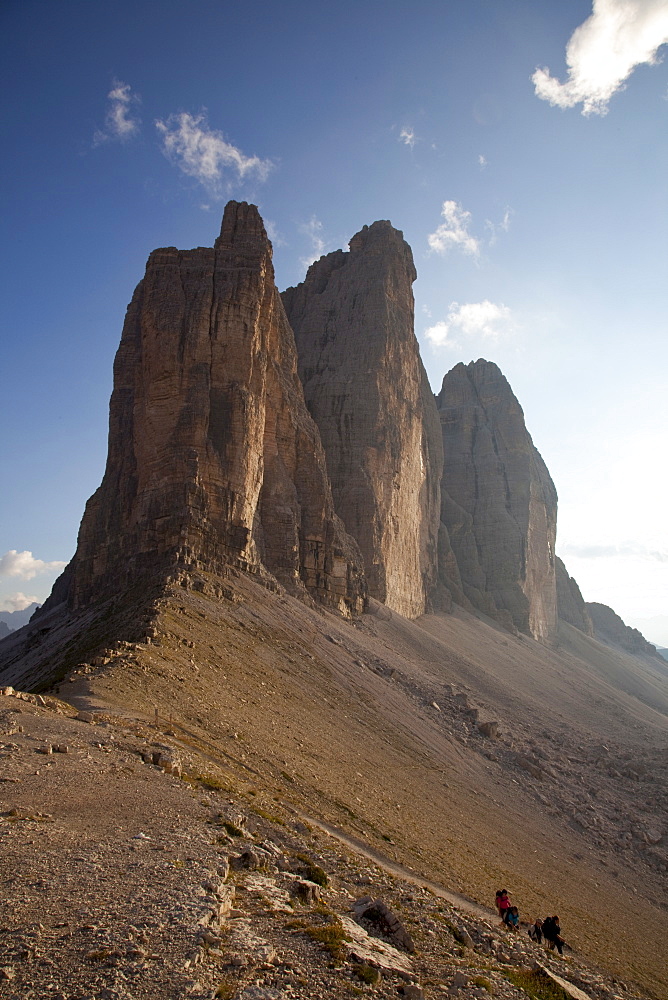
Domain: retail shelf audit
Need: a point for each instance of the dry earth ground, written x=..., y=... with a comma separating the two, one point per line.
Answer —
x=371, y=727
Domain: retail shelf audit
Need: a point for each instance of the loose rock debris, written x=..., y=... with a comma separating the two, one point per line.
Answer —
x=123, y=881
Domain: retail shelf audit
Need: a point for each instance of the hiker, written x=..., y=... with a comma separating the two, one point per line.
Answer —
x=552, y=934
x=535, y=932
x=512, y=918
x=502, y=903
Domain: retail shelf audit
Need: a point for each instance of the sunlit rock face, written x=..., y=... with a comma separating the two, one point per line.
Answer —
x=213, y=458
x=570, y=602
x=499, y=503
x=367, y=390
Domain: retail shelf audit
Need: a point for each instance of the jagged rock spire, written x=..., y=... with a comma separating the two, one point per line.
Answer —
x=367, y=389
x=213, y=458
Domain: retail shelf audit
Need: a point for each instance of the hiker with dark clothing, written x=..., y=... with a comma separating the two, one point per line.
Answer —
x=535, y=932
x=512, y=918
x=552, y=934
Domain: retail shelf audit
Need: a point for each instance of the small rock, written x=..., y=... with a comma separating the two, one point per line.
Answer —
x=411, y=991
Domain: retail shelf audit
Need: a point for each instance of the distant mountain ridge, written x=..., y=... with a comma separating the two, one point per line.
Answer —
x=17, y=619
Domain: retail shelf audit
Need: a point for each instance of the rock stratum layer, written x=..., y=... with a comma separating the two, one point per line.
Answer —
x=213, y=457
x=367, y=390
x=499, y=505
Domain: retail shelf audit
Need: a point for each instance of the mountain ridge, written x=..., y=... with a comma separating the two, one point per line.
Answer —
x=484, y=737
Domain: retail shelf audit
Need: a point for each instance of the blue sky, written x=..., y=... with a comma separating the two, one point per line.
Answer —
x=521, y=147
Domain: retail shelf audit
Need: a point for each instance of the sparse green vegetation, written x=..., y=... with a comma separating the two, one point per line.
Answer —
x=314, y=873
x=367, y=973
x=482, y=982
x=270, y=817
x=204, y=780
x=535, y=984
x=226, y=991
x=331, y=937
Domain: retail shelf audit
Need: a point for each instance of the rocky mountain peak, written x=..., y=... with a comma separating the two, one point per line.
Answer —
x=499, y=505
x=213, y=458
x=243, y=231
x=366, y=387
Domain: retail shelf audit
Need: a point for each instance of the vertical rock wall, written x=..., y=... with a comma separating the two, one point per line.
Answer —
x=213, y=457
x=366, y=387
x=499, y=503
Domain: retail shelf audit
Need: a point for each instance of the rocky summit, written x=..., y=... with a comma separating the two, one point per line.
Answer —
x=367, y=390
x=499, y=504
x=213, y=458
x=315, y=685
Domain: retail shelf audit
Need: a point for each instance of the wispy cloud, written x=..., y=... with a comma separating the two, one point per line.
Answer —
x=453, y=233
x=615, y=551
x=120, y=122
x=495, y=227
x=18, y=602
x=603, y=52
x=407, y=136
x=204, y=153
x=482, y=161
x=482, y=319
x=314, y=230
x=24, y=565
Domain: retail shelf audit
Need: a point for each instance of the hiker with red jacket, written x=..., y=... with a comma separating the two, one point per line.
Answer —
x=502, y=903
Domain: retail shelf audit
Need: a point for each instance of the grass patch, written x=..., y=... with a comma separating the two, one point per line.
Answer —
x=208, y=781
x=483, y=983
x=331, y=937
x=535, y=984
x=270, y=817
x=367, y=973
x=314, y=873
x=226, y=992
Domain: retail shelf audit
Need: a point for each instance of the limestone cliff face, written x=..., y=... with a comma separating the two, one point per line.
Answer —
x=570, y=602
x=367, y=390
x=499, y=503
x=213, y=458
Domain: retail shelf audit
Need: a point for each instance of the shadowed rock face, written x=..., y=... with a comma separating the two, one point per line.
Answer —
x=213, y=458
x=570, y=602
x=609, y=628
x=366, y=387
x=499, y=503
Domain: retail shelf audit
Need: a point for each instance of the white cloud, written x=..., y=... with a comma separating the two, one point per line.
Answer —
x=313, y=229
x=204, y=153
x=273, y=233
x=18, y=602
x=454, y=232
x=407, y=136
x=24, y=565
x=119, y=122
x=613, y=551
x=482, y=161
x=603, y=52
x=484, y=319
